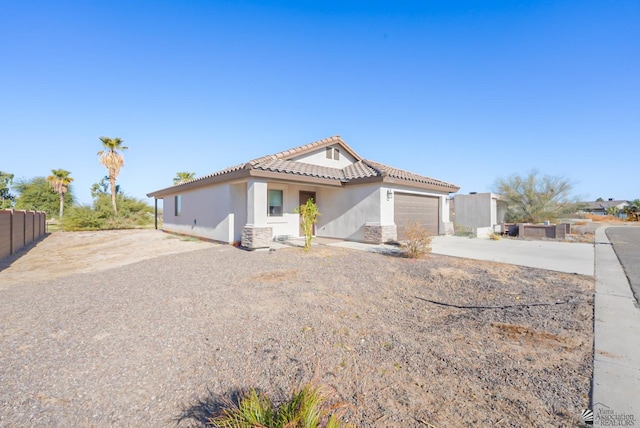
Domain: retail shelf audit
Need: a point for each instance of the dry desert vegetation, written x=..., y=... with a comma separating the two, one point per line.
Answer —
x=140, y=328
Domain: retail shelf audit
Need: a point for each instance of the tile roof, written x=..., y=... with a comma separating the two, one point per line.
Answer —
x=408, y=176
x=597, y=205
x=361, y=169
x=299, y=168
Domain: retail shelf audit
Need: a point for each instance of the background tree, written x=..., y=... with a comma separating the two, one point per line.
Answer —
x=534, y=199
x=102, y=187
x=181, y=177
x=6, y=198
x=60, y=181
x=112, y=159
x=37, y=194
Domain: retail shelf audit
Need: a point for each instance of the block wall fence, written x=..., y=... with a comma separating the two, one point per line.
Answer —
x=20, y=228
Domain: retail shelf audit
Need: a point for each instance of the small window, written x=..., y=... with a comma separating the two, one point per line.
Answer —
x=329, y=154
x=275, y=202
x=336, y=154
x=177, y=200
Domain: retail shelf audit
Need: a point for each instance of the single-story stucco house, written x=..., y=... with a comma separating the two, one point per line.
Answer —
x=253, y=203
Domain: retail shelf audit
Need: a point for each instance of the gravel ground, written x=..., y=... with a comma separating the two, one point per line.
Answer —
x=441, y=341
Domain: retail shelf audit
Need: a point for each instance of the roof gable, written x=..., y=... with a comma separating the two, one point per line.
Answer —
x=301, y=151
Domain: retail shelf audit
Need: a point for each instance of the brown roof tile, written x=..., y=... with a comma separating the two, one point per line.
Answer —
x=300, y=168
x=408, y=176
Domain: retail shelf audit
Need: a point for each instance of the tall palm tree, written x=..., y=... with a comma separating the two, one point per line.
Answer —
x=113, y=160
x=60, y=180
x=181, y=177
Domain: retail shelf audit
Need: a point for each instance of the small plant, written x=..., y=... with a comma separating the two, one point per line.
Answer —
x=308, y=218
x=418, y=243
x=494, y=236
x=460, y=230
x=306, y=408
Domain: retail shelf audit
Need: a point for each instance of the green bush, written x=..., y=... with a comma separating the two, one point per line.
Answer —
x=132, y=213
x=81, y=218
x=308, y=218
x=306, y=408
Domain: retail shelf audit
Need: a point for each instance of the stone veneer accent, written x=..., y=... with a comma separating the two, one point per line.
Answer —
x=256, y=237
x=378, y=234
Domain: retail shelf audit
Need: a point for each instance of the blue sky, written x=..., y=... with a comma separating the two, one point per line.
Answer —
x=462, y=91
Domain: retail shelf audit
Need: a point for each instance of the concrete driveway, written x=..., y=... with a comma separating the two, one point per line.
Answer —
x=567, y=257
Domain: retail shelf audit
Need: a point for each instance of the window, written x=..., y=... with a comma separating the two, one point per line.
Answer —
x=275, y=202
x=333, y=153
x=177, y=200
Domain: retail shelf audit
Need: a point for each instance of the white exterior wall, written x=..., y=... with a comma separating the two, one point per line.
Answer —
x=206, y=213
x=346, y=210
x=289, y=223
x=319, y=157
x=480, y=211
x=238, y=209
x=475, y=210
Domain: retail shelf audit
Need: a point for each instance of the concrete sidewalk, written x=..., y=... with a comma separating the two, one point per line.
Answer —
x=570, y=257
x=616, y=366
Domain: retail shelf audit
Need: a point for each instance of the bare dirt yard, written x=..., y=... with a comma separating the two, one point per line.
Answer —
x=139, y=328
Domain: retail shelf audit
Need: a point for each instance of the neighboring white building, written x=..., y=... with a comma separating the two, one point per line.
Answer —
x=253, y=203
x=480, y=212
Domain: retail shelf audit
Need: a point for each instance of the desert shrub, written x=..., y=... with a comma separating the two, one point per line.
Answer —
x=494, y=236
x=306, y=408
x=81, y=218
x=460, y=230
x=132, y=213
x=308, y=218
x=603, y=218
x=418, y=242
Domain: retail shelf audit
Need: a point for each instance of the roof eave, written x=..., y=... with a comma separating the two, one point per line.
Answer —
x=191, y=185
x=446, y=187
x=296, y=178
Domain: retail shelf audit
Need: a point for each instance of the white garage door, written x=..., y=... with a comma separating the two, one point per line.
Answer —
x=413, y=208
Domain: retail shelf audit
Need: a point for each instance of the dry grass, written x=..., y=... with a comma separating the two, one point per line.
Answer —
x=604, y=218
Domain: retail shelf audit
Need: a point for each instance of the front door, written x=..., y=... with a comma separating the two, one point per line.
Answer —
x=304, y=197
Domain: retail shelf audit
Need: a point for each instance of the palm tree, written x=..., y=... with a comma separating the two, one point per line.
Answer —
x=181, y=177
x=60, y=180
x=113, y=160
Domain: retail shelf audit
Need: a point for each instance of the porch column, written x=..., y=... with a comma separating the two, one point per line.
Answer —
x=256, y=233
x=446, y=225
